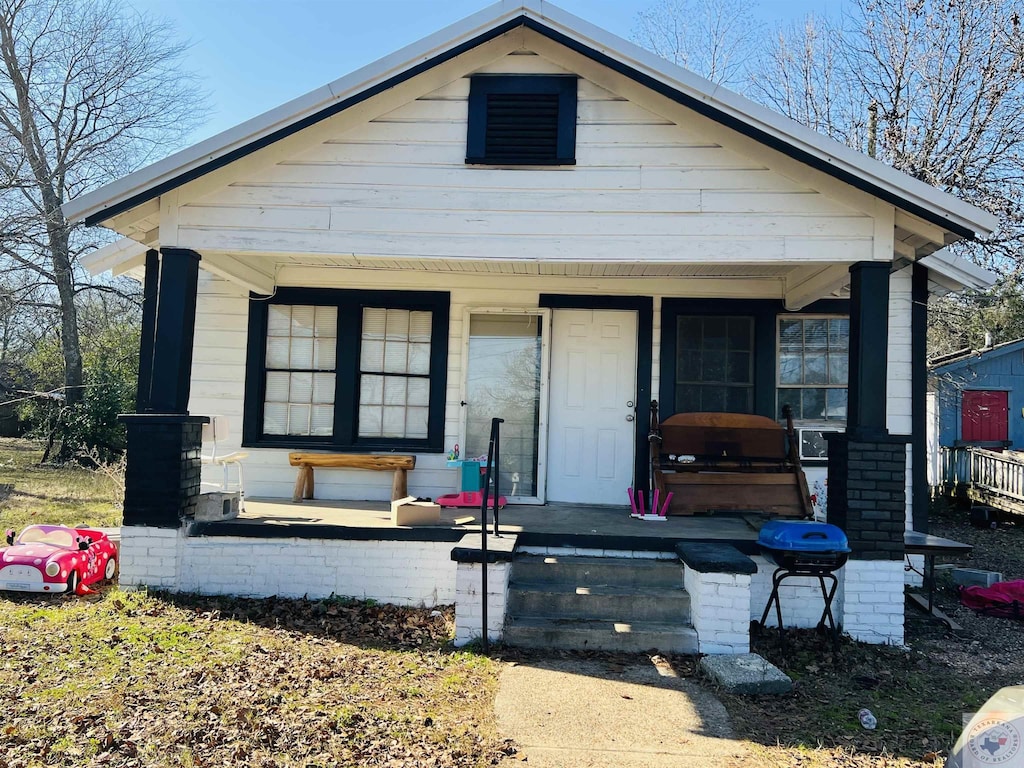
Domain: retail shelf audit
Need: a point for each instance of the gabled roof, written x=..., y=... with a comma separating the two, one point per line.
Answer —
x=964, y=357
x=681, y=85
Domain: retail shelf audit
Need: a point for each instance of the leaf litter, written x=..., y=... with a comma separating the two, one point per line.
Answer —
x=138, y=680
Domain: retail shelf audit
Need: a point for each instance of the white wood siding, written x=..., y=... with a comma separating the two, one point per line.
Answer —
x=653, y=183
x=899, y=394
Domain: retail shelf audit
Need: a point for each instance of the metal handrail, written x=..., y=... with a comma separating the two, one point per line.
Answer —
x=493, y=448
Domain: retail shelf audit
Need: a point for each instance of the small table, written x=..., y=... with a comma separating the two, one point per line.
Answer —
x=916, y=543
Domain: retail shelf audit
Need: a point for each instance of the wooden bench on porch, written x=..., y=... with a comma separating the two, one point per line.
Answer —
x=389, y=462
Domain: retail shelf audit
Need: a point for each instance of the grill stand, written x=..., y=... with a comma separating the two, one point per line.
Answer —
x=827, y=594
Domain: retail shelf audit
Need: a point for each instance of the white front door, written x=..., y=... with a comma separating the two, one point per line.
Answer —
x=593, y=391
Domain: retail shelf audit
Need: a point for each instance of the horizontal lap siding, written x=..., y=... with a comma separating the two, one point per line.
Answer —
x=899, y=394
x=644, y=189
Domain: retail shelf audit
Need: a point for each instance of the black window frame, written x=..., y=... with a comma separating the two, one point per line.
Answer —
x=350, y=304
x=765, y=313
x=481, y=86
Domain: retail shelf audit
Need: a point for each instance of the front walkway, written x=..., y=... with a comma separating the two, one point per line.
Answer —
x=569, y=713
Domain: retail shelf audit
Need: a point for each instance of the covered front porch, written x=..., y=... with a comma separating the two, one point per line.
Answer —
x=605, y=528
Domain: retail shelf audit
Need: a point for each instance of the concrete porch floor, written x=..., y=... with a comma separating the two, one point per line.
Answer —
x=554, y=524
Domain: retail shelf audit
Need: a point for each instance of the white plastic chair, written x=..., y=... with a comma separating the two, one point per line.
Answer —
x=214, y=432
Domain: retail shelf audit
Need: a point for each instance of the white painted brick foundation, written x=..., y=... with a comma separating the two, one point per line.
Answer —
x=398, y=572
x=719, y=610
x=468, y=606
x=873, y=601
x=149, y=557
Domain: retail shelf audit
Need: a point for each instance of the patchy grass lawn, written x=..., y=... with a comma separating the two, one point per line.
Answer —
x=119, y=679
x=131, y=679
x=56, y=495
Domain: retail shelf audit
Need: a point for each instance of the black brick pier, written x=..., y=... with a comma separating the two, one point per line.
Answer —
x=163, y=474
x=867, y=493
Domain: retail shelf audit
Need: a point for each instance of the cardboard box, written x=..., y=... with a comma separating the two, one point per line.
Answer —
x=408, y=511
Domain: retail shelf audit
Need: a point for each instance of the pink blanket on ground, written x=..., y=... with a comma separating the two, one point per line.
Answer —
x=1004, y=598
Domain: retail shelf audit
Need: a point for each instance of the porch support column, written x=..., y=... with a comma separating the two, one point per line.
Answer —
x=174, y=330
x=162, y=476
x=867, y=472
x=869, y=338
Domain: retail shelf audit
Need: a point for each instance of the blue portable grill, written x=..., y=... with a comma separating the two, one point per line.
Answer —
x=804, y=545
x=804, y=548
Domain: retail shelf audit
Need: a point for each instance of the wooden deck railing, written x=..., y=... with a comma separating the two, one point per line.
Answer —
x=985, y=476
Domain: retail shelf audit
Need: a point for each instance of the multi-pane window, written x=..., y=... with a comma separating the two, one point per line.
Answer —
x=347, y=369
x=394, y=373
x=814, y=366
x=715, y=364
x=301, y=354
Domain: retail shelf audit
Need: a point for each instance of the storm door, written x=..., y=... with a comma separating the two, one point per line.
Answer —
x=506, y=377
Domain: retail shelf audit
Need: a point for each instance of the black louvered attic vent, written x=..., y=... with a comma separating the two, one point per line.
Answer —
x=521, y=120
x=522, y=127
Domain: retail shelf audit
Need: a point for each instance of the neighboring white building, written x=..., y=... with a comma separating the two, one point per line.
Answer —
x=524, y=216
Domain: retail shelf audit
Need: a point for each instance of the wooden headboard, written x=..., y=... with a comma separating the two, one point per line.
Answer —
x=737, y=436
x=728, y=461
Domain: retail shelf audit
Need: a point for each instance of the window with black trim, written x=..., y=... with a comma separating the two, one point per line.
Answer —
x=522, y=120
x=715, y=364
x=347, y=369
x=813, y=367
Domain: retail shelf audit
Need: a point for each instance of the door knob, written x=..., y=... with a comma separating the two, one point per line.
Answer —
x=629, y=417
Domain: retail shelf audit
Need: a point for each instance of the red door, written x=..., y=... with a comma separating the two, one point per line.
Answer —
x=984, y=416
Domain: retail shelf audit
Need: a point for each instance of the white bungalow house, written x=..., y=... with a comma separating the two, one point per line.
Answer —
x=524, y=216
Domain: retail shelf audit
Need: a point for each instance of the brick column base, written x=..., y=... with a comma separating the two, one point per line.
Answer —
x=468, y=602
x=719, y=610
x=867, y=499
x=162, y=478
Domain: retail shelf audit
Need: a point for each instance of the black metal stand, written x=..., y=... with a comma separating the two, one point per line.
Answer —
x=827, y=594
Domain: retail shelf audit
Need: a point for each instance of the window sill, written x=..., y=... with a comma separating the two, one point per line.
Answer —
x=507, y=162
x=309, y=445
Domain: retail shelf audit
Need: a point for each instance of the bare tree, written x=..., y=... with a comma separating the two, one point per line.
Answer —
x=714, y=38
x=89, y=90
x=935, y=88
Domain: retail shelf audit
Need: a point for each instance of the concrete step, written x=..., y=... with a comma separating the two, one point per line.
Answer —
x=584, y=634
x=612, y=603
x=594, y=571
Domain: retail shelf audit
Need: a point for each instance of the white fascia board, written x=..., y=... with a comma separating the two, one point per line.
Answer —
x=725, y=101
x=957, y=273
x=111, y=256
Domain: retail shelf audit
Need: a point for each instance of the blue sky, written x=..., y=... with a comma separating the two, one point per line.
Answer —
x=256, y=54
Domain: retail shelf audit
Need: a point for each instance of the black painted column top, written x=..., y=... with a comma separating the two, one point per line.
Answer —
x=869, y=336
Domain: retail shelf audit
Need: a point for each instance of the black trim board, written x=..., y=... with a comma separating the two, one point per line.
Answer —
x=644, y=307
x=764, y=312
x=604, y=59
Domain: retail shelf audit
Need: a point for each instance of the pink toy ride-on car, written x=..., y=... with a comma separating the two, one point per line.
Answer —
x=55, y=559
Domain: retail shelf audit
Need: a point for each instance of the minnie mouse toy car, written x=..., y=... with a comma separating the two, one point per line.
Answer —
x=55, y=559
